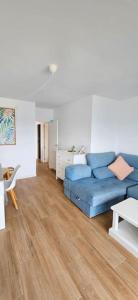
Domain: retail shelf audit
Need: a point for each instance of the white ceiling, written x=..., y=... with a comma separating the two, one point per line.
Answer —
x=94, y=43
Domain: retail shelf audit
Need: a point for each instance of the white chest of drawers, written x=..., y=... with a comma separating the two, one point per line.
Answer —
x=64, y=159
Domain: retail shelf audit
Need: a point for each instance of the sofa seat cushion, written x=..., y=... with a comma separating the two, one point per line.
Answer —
x=69, y=184
x=100, y=191
x=132, y=191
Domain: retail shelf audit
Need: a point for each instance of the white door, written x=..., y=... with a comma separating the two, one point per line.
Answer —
x=52, y=143
x=46, y=142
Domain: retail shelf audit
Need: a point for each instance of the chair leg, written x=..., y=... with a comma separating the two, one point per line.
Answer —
x=13, y=198
x=15, y=195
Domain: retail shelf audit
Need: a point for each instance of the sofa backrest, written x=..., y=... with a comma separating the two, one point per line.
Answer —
x=102, y=173
x=99, y=164
x=132, y=160
x=98, y=160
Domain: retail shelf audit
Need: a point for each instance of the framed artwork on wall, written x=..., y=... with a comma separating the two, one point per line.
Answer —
x=7, y=126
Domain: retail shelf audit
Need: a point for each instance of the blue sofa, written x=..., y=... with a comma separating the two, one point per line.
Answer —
x=94, y=188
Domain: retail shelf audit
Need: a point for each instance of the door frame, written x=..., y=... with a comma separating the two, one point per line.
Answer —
x=50, y=150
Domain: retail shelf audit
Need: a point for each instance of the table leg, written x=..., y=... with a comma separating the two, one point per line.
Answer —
x=115, y=220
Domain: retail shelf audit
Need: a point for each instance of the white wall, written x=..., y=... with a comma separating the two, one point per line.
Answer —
x=91, y=122
x=104, y=124
x=44, y=114
x=127, y=127
x=75, y=123
x=114, y=125
x=100, y=123
x=23, y=152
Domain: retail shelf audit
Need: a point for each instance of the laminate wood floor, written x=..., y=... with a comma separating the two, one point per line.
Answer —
x=52, y=251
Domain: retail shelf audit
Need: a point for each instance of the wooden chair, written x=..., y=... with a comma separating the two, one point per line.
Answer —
x=8, y=172
x=9, y=186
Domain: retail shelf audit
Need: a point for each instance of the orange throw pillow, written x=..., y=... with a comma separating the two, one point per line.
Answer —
x=120, y=168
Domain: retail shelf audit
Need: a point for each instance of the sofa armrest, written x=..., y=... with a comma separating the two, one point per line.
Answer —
x=132, y=191
x=75, y=172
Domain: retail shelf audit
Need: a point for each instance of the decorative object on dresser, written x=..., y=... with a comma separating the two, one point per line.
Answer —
x=65, y=158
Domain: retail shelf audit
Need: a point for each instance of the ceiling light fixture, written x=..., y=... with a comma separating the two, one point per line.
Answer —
x=53, y=68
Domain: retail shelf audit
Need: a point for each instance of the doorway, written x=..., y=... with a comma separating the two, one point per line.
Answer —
x=39, y=141
x=47, y=142
x=42, y=142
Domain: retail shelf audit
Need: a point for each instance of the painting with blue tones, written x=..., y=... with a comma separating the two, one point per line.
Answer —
x=7, y=126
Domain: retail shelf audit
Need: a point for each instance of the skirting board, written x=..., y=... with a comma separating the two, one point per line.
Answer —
x=127, y=236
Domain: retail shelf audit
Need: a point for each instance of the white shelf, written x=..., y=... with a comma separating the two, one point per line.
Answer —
x=128, y=210
x=127, y=236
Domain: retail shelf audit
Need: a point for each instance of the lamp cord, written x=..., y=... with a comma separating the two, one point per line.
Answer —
x=38, y=90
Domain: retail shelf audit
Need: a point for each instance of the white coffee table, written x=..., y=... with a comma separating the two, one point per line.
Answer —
x=126, y=231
